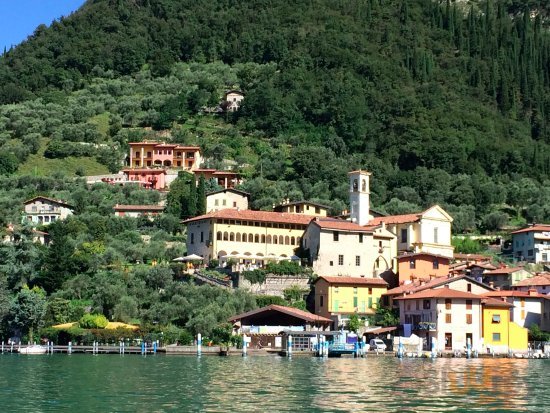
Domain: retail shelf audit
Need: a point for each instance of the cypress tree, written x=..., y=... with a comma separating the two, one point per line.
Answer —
x=201, y=196
x=192, y=199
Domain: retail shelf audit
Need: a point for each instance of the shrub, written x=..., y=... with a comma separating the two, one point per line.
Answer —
x=93, y=321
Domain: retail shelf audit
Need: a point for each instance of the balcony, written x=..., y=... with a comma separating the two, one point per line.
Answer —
x=425, y=326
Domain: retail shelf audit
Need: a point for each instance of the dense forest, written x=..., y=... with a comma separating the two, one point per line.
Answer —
x=445, y=102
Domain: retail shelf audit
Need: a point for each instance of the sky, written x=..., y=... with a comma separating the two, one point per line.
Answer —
x=19, y=18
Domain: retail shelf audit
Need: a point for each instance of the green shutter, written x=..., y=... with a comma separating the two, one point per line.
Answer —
x=354, y=302
x=370, y=302
x=335, y=305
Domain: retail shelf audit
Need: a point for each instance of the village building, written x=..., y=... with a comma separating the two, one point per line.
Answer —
x=146, y=178
x=228, y=198
x=500, y=334
x=42, y=210
x=503, y=278
x=252, y=238
x=336, y=247
x=302, y=207
x=428, y=231
x=338, y=298
x=266, y=326
x=232, y=100
x=135, y=211
x=225, y=179
x=528, y=305
x=477, y=271
x=421, y=265
x=155, y=155
x=540, y=282
x=12, y=236
x=532, y=244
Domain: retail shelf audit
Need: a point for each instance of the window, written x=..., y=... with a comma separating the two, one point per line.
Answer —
x=321, y=301
x=468, y=304
x=523, y=314
x=426, y=305
x=496, y=337
x=360, y=238
x=435, y=264
x=412, y=264
x=340, y=260
x=218, y=236
x=355, y=302
x=370, y=302
x=192, y=238
x=448, y=318
x=529, y=253
x=435, y=235
x=355, y=290
x=335, y=236
x=331, y=263
x=447, y=303
x=317, y=210
x=357, y=260
x=336, y=290
x=234, y=205
x=370, y=290
x=468, y=319
x=469, y=287
x=495, y=319
x=223, y=202
x=202, y=236
x=417, y=304
x=404, y=235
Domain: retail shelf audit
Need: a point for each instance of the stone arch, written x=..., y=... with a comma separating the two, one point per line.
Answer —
x=167, y=163
x=380, y=264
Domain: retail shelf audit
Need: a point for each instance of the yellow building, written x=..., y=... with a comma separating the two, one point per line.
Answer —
x=338, y=298
x=501, y=335
x=302, y=207
x=249, y=237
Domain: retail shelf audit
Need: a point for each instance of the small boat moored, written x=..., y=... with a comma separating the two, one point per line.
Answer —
x=34, y=349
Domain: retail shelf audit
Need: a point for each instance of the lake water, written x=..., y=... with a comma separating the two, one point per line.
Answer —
x=114, y=383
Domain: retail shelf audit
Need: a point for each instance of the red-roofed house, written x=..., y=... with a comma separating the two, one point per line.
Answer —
x=532, y=244
x=149, y=178
x=337, y=247
x=528, y=305
x=42, y=210
x=135, y=211
x=505, y=277
x=421, y=265
x=338, y=298
x=540, y=283
x=159, y=154
x=428, y=231
x=250, y=237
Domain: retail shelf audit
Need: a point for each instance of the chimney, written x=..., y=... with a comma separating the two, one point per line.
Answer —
x=491, y=284
x=532, y=292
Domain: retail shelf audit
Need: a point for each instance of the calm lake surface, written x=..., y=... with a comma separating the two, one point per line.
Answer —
x=114, y=383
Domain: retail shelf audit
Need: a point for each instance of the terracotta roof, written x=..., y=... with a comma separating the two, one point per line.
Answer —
x=302, y=203
x=340, y=224
x=459, y=256
x=146, y=170
x=237, y=191
x=536, y=227
x=295, y=312
x=483, y=265
x=118, y=207
x=541, y=279
x=440, y=293
x=492, y=302
x=352, y=280
x=396, y=219
x=54, y=201
x=417, y=254
x=512, y=293
x=262, y=216
x=503, y=271
x=433, y=283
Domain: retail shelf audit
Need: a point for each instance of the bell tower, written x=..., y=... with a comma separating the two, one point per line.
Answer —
x=359, y=196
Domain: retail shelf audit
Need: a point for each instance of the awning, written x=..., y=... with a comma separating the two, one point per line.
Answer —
x=192, y=257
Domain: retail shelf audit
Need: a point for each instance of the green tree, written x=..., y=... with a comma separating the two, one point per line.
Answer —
x=28, y=311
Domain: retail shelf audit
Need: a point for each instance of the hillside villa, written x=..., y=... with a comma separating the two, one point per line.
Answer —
x=532, y=244
x=42, y=210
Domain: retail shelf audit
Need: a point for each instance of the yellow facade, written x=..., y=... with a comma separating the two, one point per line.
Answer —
x=334, y=298
x=499, y=333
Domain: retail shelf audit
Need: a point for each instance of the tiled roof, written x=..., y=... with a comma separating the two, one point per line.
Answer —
x=54, y=201
x=433, y=283
x=503, y=271
x=353, y=280
x=249, y=215
x=537, y=228
x=418, y=254
x=483, y=265
x=236, y=191
x=459, y=256
x=510, y=293
x=492, y=302
x=302, y=203
x=440, y=293
x=340, y=224
x=118, y=207
x=295, y=312
x=146, y=170
x=541, y=279
x=396, y=219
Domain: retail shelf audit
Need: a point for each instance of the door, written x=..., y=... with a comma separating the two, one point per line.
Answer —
x=469, y=339
x=448, y=341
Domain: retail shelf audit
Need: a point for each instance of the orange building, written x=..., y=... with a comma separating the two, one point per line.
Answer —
x=155, y=154
x=421, y=265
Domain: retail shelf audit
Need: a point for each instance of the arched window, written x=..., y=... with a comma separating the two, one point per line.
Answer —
x=263, y=239
x=269, y=239
x=298, y=240
x=250, y=238
x=292, y=240
x=355, y=185
x=281, y=240
x=219, y=235
x=274, y=239
x=256, y=238
x=231, y=236
x=287, y=240
x=238, y=237
x=364, y=185
x=225, y=236
x=244, y=237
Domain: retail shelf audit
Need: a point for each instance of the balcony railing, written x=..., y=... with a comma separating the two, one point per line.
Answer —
x=425, y=326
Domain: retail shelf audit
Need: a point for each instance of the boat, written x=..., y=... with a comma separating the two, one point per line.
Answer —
x=34, y=349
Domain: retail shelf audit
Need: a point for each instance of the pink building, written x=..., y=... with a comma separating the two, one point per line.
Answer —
x=147, y=178
x=155, y=154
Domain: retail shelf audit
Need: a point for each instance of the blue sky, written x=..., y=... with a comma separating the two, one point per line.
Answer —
x=19, y=18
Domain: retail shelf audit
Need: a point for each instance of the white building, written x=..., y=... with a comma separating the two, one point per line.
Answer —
x=232, y=100
x=227, y=199
x=41, y=210
x=532, y=244
x=135, y=211
x=528, y=306
x=540, y=283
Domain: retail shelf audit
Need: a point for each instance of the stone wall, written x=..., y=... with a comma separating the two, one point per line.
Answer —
x=274, y=284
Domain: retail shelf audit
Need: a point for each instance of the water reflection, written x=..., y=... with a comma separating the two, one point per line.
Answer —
x=270, y=384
